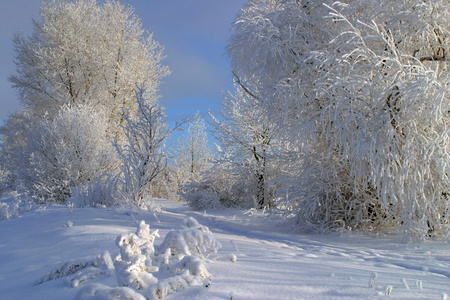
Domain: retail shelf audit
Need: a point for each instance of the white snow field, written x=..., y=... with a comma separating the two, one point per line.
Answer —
x=271, y=264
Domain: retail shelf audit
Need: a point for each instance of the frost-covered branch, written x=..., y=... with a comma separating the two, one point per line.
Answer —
x=142, y=153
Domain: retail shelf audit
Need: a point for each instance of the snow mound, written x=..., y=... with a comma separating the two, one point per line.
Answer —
x=193, y=239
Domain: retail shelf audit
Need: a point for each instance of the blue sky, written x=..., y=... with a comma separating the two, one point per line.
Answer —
x=193, y=32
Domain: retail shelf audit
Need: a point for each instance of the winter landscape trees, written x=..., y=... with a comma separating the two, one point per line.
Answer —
x=142, y=155
x=245, y=136
x=357, y=93
x=81, y=53
x=339, y=117
x=193, y=155
x=76, y=77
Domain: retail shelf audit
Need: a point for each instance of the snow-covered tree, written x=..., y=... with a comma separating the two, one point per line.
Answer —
x=245, y=136
x=68, y=151
x=356, y=92
x=193, y=155
x=142, y=154
x=165, y=185
x=82, y=52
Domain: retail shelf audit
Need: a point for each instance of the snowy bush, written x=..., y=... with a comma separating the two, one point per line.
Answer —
x=356, y=93
x=201, y=195
x=14, y=206
x=142, y=270
x=134, y=264
x=67, y=151
x=165, y=185
x=80, y=271
x=102, y=191
x=194, y=240
x=225, y=185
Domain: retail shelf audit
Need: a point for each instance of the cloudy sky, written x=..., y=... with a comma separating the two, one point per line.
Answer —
x=193, y=32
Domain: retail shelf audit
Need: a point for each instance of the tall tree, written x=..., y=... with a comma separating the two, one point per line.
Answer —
x=82, y=54
x=355, y=91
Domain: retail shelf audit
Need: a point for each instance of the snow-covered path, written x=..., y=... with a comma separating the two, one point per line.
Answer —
x=277, y=265
x=271, y=264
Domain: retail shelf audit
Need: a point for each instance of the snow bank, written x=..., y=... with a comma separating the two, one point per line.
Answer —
x=272, y=264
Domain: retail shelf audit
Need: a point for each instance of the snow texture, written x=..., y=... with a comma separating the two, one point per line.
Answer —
x=271, y=263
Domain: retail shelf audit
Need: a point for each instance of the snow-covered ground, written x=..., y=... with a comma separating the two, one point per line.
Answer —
x=271, y=264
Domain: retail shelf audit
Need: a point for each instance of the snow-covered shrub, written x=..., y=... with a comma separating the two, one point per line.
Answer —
x=14, y=206
x=201, y=195
x=66, y=269
x=68, y=151
x=225, y=185
x=134, y=264
x=219, y=187
x=142, y=153
x=182, y=257
x=141, y=271
x=165, y=185
x=102, y=191
x=194, y=239
x=80, y=271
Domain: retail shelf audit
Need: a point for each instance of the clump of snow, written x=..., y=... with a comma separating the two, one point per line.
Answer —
x=131, y=266
x=12, y=207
